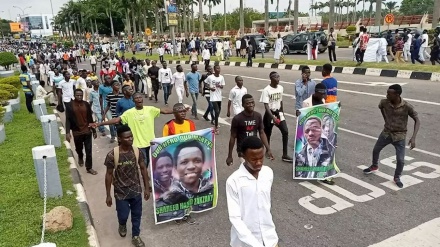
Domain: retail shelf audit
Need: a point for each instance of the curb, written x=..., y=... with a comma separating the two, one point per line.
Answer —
x=403, y=74
x=80, y=192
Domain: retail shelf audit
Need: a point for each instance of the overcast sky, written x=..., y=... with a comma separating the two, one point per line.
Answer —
x=7, y=10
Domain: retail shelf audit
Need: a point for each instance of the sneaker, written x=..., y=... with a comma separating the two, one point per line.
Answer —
x=122, y=230
x=371, y=169
x=398, y=182
x=328, y=181
x=137, y=242
x=287, y=158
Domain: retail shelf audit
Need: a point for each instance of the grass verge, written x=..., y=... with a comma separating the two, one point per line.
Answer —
x=427, y=67
x=21, y=206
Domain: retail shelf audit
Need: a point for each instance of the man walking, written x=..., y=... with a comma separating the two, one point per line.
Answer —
x=66, y=89
x=123, y=164
x=248, y=193
x=216, y=83
x=246, y=123
x=272, y=98
x=304, y=88
x=192, y=86
x=395, y=112
x=235, y=96
x=165, y=81
x=125, y=103
x=278, y=49
x=153, y=73
x=332, y=38
x=78, y=118
x=423, y=54
x=25, y=80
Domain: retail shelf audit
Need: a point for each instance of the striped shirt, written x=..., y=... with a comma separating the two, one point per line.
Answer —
x=112, y=99
x=206, y=90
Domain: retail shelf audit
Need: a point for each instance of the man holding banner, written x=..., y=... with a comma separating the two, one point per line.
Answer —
x=315, y=141
x=192, y=180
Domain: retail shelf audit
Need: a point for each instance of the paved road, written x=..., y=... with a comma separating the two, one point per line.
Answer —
x=358, y=211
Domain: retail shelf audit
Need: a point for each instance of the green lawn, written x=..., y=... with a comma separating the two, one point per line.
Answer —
x=21, y=207
x=427, y=67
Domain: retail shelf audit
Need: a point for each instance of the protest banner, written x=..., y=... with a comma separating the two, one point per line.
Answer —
x=184, y=174
x=316, y=142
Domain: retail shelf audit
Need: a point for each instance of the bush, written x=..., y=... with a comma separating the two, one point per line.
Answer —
x=351, y=29
x=7, y=58
x=2, y=113
x=4, y=97
x=11, y=89
x=68, y=44
x=12, y=80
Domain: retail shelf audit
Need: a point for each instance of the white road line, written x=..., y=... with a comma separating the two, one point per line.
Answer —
x=426, y=234
x=375, y=138
x=348, y=91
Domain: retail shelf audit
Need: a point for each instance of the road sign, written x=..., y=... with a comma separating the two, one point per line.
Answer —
x=147, y=31
x=389, y=18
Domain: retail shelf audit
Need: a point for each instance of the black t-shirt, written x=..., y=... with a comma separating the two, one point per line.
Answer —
x=246, y=126
x=154, y=71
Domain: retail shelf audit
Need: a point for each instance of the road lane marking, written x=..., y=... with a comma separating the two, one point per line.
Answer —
x=426, y=234
x=347, y=91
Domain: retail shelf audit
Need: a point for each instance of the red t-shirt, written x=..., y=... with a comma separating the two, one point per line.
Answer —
x=109, y=72
x=22, y=61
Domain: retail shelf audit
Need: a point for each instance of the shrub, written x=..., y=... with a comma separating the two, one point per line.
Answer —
x=12, y=80
x=11, y=89
x=4, y=97
x=2, y=113
x=68, y=44
x=350, y=29
x=7, y=58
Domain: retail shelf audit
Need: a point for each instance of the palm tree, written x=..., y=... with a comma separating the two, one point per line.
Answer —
x=315, y=7
x=391, y=6
x=210, y=4
x=201, y=20
x=110, y=6
x=241, y=16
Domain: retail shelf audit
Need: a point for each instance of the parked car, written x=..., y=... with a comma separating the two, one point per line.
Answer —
x=298, y=42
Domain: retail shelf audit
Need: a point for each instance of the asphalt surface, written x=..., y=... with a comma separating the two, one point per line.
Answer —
x=364, y=211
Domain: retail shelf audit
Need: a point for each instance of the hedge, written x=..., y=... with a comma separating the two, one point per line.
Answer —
x=11, y=89
x=12, y=80
x=4, y=97
x=7, y=58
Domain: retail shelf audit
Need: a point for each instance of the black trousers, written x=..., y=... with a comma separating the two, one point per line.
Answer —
x=207, y=63
x=84, y=141
x=268, y=126
x=332, y=53
x=360, y=55
x=217, y=109
x=29, y=98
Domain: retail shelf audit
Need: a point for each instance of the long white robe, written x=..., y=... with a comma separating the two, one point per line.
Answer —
x=278, y=48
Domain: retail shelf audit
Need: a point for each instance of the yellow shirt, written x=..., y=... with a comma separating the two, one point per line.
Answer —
x=172, y=128
x=141, y=123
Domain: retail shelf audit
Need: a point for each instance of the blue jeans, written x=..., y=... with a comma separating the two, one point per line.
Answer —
x=210, y=109
x=99, y=119
x=146, y=153
x=123, y=208
x=111, y=127
x=29, y=98
x=194, y=97
x=166, y=91
x=382, y=142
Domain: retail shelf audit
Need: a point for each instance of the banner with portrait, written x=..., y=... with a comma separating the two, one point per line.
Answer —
x=316, y=142
x=171, y=12
x=184, y=175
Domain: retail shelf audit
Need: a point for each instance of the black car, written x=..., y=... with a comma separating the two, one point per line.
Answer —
x=298, y=42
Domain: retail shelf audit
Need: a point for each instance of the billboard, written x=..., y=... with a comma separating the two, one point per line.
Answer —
x=171, y=10
x=15, y=27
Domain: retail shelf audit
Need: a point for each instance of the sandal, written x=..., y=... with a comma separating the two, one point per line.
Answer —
x=217, y=132
x=91, y=171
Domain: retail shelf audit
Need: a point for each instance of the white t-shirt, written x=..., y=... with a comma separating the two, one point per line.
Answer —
x=206, y=55
x=272, y=96
x=67, y=89
x=92, y=59
x=178, y=79
x=262, y=46
x=409, y=41
x=41, y=92
x=237, y=44
x=215, y=82
x=226, y=45
x=165, y=75
x=235, y=96
x=425, y=37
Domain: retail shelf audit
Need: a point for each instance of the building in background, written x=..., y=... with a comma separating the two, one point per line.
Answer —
x=37, y=25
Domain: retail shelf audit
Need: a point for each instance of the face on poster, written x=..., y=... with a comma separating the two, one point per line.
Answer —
x=184, y=175
x=316, y=141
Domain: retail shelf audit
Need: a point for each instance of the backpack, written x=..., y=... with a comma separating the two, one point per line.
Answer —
x=116, y=157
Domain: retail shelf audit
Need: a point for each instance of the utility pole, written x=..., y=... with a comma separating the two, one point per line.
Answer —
x=331, y=20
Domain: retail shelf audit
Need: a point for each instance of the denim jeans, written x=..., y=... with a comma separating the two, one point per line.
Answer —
x=29, y=98
x=210, y=109
x=123, y=208
x=166, y=91
x=98, y=117
x=146, y=152
x=111, y=127
x=382, y=142
x=194, y=97
x=217, y=105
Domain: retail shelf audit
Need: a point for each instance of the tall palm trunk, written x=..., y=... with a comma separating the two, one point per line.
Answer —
x=193, y=21
x=96, y=26
x=144, y=13
x=241, y=17
x=295, y=16
x=91, y=26
x=201, y=20
x=185, y=21
x=224, y=10
x=378, y=16
x=111, y=24
x=156, y=18
x=127, y=20
x=266, y=16
x=133, y=16
x=139, y=17
x=278, y=11
x=210, y=17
